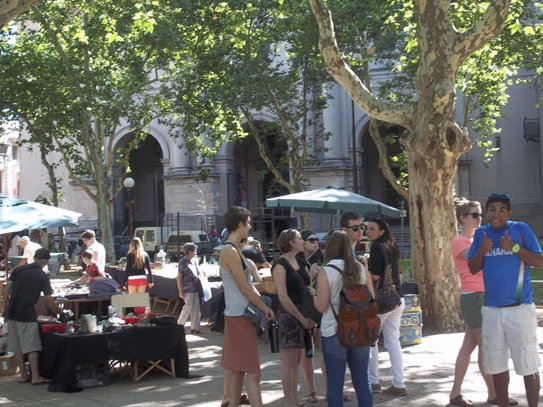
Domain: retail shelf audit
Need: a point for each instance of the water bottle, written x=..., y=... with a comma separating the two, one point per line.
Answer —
x=111, y=311
x=308, y=339
x=273, y=330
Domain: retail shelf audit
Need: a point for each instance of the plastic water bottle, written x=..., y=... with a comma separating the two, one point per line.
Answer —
x=161, y=256
x=308, y=339
x=111, y=311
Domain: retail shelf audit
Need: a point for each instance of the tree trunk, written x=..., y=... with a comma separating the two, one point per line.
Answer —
x=432, y=170
x=9, y=9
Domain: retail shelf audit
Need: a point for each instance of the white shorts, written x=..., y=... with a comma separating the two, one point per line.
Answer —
x=510, y=331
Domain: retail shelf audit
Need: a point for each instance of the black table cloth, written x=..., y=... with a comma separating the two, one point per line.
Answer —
x=61, y=353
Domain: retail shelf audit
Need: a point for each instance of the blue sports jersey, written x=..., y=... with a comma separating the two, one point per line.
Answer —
x=501, y=268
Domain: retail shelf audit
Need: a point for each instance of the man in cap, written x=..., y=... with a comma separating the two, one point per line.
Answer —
x=29, y=248
x=23, y=290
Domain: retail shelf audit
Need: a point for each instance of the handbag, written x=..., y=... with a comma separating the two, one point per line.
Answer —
x=387, y=296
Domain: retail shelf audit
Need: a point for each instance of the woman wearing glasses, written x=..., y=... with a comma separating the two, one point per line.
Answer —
x=384, y=250
x=291, y=279
x=472, y=298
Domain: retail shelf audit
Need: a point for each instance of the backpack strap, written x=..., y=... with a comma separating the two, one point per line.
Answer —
x=340, y=293
x=243, y=262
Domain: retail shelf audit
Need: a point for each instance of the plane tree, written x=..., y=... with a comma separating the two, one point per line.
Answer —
x=447, y=47
x=74, y=72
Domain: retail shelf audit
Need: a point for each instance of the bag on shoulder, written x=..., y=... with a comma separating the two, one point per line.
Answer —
x=386, y=294
x=357, y=321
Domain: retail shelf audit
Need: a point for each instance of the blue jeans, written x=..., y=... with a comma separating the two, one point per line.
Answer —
x=336, y=356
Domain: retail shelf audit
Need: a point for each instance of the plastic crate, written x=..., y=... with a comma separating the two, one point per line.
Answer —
x=53, y=327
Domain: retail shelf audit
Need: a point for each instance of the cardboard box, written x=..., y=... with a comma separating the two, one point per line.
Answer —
x=8, y=366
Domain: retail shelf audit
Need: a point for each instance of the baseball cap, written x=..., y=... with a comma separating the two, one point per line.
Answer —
x=42, y=254
x=306, y=233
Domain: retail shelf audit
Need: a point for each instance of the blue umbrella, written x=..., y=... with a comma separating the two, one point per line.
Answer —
x=332, y=199
x=18, y=214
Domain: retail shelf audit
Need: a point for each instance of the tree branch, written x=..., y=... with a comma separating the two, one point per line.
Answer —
x=9, y=9
x=487, y=28
x=392, y=113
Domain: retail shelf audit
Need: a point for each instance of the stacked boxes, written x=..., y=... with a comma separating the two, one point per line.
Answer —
x=411, y=321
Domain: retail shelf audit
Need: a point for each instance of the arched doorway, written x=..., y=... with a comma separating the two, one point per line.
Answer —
x=148, y=192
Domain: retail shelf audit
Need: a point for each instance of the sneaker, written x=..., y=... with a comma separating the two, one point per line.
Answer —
x=395, y=391
x=376, y=388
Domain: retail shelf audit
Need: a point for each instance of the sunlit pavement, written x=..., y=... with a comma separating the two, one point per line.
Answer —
x=429, y=370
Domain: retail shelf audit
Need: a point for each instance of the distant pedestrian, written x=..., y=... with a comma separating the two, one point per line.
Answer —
x=29, y=249
x=97, y=249
x=505, y=250
x=187, y=285
x=138, y=271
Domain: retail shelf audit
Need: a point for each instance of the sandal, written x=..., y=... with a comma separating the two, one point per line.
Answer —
x=461, y=401
x=312, y=398
x=244, y=399
x=21, y=380
x=346, y=397
x=511, y=402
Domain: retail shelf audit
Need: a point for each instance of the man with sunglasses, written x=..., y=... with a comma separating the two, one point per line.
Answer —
x=505, y=250
x=353, y=224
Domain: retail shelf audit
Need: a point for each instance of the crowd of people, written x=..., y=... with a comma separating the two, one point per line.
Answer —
x=496, y=303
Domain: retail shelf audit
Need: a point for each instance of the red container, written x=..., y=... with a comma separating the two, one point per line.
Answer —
x=53, y=327
x=139, y=310
x=131, y=320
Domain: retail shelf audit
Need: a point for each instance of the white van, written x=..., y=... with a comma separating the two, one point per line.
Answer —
x=153, y=237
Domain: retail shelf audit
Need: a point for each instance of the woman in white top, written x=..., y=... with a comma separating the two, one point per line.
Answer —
x=330, y=282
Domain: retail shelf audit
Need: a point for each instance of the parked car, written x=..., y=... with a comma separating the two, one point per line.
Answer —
x=153, y=238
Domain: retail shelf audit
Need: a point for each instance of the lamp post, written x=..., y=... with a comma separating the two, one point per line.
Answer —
x=128, y=184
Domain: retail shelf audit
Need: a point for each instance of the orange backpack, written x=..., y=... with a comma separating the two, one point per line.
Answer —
x=357, y=319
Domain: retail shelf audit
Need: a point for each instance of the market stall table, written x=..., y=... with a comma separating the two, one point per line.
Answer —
x=62, y=353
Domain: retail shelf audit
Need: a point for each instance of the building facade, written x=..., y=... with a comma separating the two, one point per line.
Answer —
x=168, y=189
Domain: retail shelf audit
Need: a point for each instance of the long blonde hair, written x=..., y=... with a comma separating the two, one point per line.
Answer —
x=136, y=248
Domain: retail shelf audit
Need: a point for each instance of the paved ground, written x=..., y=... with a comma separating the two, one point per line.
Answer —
x=429, y=369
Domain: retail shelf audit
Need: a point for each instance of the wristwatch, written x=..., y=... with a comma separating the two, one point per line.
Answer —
x=515, y=248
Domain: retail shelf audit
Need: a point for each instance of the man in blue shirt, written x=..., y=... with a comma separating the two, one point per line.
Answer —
x=505, y=250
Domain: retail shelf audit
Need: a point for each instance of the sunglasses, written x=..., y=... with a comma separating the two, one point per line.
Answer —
x=356, y=228
x=474, y=215
x=312, y=240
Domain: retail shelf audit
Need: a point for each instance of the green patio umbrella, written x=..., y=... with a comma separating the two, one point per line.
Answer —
x=332, y=199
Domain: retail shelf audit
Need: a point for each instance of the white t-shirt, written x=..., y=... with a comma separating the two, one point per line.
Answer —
x=98, y=255
x=29, y=251
x=335, y=280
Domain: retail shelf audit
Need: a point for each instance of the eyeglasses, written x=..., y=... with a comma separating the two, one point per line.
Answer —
x=499, y=195
x=312, y=240
x=474, y=215
x=355, y=228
